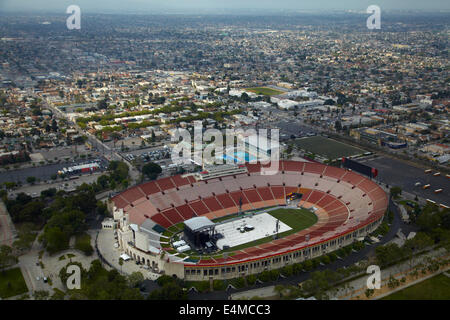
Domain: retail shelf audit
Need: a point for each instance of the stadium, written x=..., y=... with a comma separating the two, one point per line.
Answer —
x=230, y=221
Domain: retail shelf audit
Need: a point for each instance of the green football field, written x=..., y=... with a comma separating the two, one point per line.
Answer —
x=435, y=288
x=327, y=148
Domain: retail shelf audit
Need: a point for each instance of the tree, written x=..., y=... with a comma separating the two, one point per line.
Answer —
x=135, y=279
x=418, y=243
x=6, y=256
x=103, y=181
x=369, y=292
x=169, y=291
x=395, y=192
x=102, y=104
x=120, y=264
x=151, y=170
x=245, y=97
x=54, y=125
x=10, y=185
x=31, y=180
x=388, y=253
x=41, y=295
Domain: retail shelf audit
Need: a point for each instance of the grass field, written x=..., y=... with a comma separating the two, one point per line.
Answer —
x=327, y=148
x=435, y=288
x=12, y=283
x=297, y=219
x=264, y=91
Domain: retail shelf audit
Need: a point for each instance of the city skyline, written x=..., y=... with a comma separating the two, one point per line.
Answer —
x=233, y=6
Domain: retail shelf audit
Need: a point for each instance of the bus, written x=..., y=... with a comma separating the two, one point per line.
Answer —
x=428, y=171
x=426, y=186
x=438, y=191
x=437, y=174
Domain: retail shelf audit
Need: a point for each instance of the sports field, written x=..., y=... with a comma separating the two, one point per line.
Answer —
x=327, y=148
x=435, y=288
x=265, y=91
x=295, y=219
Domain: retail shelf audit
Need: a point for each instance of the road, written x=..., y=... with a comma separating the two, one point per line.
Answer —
x=31, y=269
x=59, y=185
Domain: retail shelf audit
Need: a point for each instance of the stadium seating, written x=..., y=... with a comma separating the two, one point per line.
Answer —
x=343, y=201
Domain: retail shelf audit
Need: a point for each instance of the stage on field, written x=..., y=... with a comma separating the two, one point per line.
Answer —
x=264, y=225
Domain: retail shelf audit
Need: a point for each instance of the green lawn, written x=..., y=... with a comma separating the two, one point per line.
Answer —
x=228, y=217
x=435, y=288
x=297, y=219
x=265, y=91
x=327, y=148
x=12, y=283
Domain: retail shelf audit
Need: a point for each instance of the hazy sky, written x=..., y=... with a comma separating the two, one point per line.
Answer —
x=158, y=6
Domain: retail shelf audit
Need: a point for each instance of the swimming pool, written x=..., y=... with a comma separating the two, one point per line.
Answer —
x=240, y=156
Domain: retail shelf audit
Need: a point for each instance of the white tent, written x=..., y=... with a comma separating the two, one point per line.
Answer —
x=125, y=257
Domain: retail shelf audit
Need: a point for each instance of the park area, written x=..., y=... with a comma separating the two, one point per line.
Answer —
x=327, y=148
x=12, y=283
x=435, y=288
x=264, y=91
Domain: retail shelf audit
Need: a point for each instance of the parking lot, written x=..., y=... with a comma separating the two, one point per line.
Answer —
x=44, y=173
x=398, y=173
x=147, y=155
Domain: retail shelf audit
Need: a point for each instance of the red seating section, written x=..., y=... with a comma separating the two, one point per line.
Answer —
x=143, y=200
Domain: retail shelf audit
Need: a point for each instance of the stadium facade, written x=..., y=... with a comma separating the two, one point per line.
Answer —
x=348, y=206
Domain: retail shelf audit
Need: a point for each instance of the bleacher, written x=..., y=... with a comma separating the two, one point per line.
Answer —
x=341, y=206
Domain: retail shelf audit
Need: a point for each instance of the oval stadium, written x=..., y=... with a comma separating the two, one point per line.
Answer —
x=229, y=221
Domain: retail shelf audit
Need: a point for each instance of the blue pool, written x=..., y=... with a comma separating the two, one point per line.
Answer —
x=240, y=156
